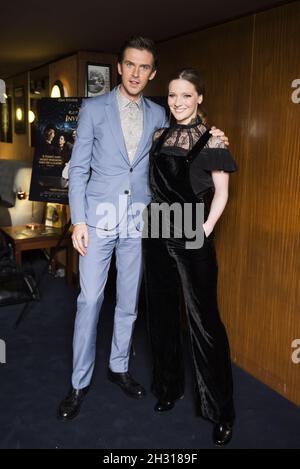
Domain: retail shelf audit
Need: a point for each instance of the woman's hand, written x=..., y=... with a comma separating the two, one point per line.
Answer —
x=207, y=229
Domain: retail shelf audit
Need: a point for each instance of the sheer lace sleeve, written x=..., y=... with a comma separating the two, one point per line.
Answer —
x=157, y=134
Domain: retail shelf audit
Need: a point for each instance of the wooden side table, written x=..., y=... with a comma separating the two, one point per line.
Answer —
x=25, y=239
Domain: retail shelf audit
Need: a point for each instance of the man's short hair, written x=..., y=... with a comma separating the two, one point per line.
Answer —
x=141, y=43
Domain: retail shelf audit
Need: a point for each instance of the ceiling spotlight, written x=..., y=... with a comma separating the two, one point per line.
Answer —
x=37, y=86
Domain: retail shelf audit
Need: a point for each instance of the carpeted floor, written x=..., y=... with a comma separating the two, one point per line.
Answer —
x=37, y=376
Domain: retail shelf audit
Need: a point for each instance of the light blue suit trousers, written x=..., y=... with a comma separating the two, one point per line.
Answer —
x=94, y=267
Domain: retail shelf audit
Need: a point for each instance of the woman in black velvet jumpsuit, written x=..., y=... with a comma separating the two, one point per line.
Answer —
x=188, y=167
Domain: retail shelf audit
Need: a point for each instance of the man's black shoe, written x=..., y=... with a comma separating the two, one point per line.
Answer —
x=127, y=384
x=70, y=406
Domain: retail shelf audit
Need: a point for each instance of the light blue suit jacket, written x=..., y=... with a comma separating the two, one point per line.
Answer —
x=100, y=170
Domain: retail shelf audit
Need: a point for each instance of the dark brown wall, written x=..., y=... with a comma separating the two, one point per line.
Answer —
x=249, y=66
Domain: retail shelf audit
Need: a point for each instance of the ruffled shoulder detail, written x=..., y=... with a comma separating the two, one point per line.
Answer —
x=215, y=159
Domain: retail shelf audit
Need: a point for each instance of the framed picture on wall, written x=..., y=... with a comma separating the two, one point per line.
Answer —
x=98, y=79
x=19, y=109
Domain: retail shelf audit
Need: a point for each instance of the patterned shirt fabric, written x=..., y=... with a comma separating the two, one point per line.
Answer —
x=131, y=116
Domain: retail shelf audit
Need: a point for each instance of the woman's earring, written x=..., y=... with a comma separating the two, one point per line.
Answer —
x=170, y=117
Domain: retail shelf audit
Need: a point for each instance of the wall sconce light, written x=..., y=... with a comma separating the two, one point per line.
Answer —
x=21, y=195
x=31, y=117
x=19, y=114
x=57, y=90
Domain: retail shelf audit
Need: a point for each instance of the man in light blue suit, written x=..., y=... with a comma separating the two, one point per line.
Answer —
x=108, y=174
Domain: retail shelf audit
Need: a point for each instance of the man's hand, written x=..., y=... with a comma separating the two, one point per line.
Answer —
x=218, y=133
x=80, y=238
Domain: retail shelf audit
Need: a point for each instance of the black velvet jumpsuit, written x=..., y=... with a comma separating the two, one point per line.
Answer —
x=181, y=172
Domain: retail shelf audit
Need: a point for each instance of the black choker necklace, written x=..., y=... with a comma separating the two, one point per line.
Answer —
x=193, y=123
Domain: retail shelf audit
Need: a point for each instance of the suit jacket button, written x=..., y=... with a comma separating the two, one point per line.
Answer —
x=131, y=169
x=126, y=192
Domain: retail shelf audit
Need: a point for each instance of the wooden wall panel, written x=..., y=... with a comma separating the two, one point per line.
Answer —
x=248, y=66
x=272, y=201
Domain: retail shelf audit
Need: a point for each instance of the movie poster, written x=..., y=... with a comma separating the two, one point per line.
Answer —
x=55, y=137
